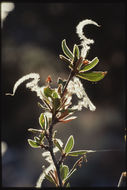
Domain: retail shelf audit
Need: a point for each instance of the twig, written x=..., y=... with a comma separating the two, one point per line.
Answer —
x=68, y=80
x=51, y=151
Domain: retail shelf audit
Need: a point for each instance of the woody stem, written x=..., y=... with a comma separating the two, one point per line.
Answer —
x=68, y=80
x=52, y=153
x=50, y=140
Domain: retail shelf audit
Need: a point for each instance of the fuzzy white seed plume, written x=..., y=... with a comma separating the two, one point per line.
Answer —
x=42, y=176
x=6, y=7
x=75, y=87
x=32, y=85
x=85, y=42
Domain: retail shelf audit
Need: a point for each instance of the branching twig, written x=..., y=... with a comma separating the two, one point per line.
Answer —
x=57, y=165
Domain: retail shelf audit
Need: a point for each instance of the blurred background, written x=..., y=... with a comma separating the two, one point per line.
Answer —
x=31, y=42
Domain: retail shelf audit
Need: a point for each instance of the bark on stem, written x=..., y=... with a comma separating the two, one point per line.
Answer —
x=68, y=80
x=52, y=153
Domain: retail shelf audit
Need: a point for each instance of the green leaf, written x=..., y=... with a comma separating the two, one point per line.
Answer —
x=62, y=82
x=76, y=52
x=92, y=76
x=71, y=67
x=54, y=94
x=46, y=122
x=64, y=170
x=34, y=130
x=33, y=143
x=68, y=184
x=69, y=110
x=66, y=50
x=56, y=104
x=91, y=65
x=42, y=136
x=70, y=174
x=54, y=134
x=48, y=91
x=58, y=145
x=60, y=89
x=69, y=145
x=65, y=59
x=37, y=139
x=41, y=106
x=77, y=153
x=80, y=152
x=42, y=121
x=49, y=178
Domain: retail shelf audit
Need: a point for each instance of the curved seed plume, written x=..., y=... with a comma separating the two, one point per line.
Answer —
x=33, y=85
x=85, y=42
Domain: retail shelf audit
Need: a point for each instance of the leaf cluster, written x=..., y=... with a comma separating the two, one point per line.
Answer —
x=80, y=67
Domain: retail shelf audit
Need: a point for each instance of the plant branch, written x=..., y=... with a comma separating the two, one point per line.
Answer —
x=68, y=80
x=51, y=151
x=61, y=159
x=57, y=165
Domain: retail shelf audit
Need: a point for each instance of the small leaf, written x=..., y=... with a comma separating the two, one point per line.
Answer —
x=54, y=134
x=64, y=113
x=58, y=145
x=54, y=176
x=48, y=91
x=60, y=89
x=79, y=152
x=66, y=50
x=42, y=136
x=65, y=59
x=68, y=184
x=76, y=52
x=49, y=178
x=56, y=104
x=34, y=130
x=70, y=67
x=62, y=82
x=76, y=153
x=42, y=121
x=41, y=106
x=69, y=110
x=77, y=163
x=33, y=144
x=91, y=65
x=70, y=174
x=64, y=170
x=37, y=140
x=92, y=76
x=46, y=122
x=68, y=119
x=69, y=145
x=54, y=94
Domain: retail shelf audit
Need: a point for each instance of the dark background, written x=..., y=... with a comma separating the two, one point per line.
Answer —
x=31, y=42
